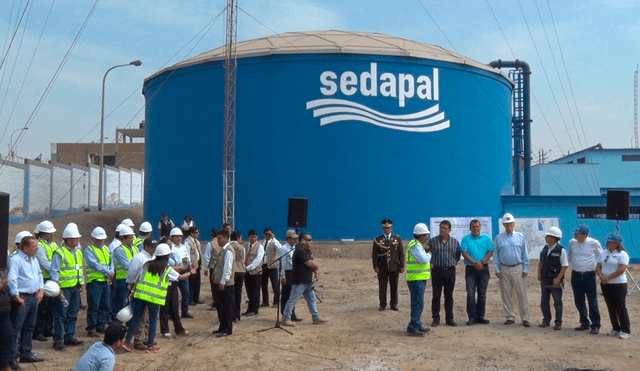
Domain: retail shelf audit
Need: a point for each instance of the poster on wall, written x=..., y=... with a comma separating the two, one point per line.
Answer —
x=534, y=230
x=460, y=226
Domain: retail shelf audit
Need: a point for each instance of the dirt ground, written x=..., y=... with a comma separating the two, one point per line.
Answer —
x=358, y=336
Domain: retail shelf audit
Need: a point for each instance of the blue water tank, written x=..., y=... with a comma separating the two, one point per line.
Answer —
x=365, y=126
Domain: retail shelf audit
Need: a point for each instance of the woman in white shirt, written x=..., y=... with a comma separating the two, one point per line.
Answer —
x=611, y=270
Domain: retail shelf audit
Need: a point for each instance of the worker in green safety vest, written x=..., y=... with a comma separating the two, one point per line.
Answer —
x=418, y=265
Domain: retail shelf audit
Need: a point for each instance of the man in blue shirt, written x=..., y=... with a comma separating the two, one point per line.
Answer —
x=476, y=249
x=101, y=355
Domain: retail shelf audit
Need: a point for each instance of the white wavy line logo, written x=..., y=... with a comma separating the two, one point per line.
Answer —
x=337, y=110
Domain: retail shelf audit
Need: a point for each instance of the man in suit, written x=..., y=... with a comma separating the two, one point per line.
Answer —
x=388, y=258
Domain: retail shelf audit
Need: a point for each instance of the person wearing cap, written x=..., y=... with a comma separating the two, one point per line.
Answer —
x=67, y=270
x=270, y=268
x=101, y=356
x=150, y=292
x=223, y=277
x=46, y=246
x=171, y=308
x=253, y=278
x=477, y=250
x=418, y=262
x=165, y=226
x=584, y=254
x=611, y=270
x=209, y=261
x=286, y=272
x=239, y=271
x=100, y=273
x=305, y=273
x=511, y=262
x=122, y=256
x=26, y=286
x=445, y=254
x=192, y=242
x=135, y=268
x=388, y=257
x=182, y=252
x=552, y=265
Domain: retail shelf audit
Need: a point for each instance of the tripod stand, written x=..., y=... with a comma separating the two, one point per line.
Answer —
x=277, y=325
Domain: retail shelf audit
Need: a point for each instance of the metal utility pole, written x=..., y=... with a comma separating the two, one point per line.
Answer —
x=229, y=155
x=635, y=107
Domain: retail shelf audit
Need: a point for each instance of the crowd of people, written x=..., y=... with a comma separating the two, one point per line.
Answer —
x=436, y=258
x=134, y=281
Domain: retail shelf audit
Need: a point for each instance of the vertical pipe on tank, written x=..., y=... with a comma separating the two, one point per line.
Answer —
x=526, y=72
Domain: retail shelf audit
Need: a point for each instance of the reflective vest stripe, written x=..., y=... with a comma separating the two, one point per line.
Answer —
x=71, y=272
x=104, y=258
x=152, y=288
x=50, y=248
x=121, y=273
x=415, y=270
x=137, y=241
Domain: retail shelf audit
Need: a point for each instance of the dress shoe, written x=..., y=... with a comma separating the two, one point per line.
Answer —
x=93, y=334
x=526, y=324
x=30, y=359
x=139, y=346
x=415, y=333
x=58, y=345
x=557, y=326
x=395, y=309
x=40, y=337
x=223, y=334
x=15, y=366
x=167, y=335
x=296, y=319
x=471, y=322
x=183, y=334
x=73, y=342
x=483, y=321
x=435, y=323
x=452, y=323
x=200, y=301
x=424, y=329
x=582, y=328
x=288, y=323
x=249, y=314
x=264, y=304
x=595, y=331
x=509, y=322
x=544, y=324
x=187, y=315
x=320, y=321
x=381, y=308
x=218, y=331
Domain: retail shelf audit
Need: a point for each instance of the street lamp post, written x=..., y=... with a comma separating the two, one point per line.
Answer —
x=100, y=180
x=11, y=152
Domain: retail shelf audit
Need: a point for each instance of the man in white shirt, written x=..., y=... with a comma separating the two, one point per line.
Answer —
x=270, y=268
x=253, y=262
x=182, y=252
x=584, y=254
x=195, y=255
x=223, y=278
x=286, y=271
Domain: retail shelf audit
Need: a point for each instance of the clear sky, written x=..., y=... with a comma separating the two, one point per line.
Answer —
x=583, y=55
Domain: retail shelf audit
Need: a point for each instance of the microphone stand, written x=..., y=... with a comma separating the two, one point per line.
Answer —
x=277, y=325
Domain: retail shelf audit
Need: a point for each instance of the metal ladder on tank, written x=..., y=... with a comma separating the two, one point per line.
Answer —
x=517, y=126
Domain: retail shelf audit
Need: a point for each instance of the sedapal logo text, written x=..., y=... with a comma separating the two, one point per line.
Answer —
x=373, y=83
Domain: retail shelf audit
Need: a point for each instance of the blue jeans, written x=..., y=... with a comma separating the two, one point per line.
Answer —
x=477, y=281
x=119, y=298
x=98, y=305
x=545, y=304
x=416, y=290
x=137, y=306
x=184, y=291
x=7, y=338
x=309, y=295
x=584, y=285
x=24, y=321
x=64, y=322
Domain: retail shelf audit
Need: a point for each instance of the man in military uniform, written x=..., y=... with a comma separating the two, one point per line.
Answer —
x=388, y=259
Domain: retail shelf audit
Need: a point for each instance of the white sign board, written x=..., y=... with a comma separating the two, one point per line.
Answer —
x=534, y=230
x=460, y=226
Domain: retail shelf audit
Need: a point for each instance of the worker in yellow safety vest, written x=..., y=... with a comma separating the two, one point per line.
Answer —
x=418, y=263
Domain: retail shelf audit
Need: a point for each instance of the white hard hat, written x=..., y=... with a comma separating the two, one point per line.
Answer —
x=51, y=288
x=36, y=229
x=46, y=227
x=126, y=231
x=146, y=227
x=71, y=231
x=99, y=233
x=162, y=250
x=119, y=227
x=555, y=232
x=420, y=229
x=22, y=235
x=128, y=223
x=175, y=232
x=508, y=218
x=125, y=314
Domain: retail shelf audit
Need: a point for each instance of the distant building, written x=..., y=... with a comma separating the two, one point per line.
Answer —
x=124, y=153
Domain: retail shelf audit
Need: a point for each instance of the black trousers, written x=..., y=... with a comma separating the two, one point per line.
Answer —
x=170, y=311
x=391, y=278
x=238, y=280
x=226, y=300
x=615, y=295
x=443, y=279
x=270, y=274
x=286, y=293
x=252, y=282
x=213, y=297
x=194, y=286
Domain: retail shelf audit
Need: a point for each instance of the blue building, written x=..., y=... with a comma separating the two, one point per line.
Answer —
x=365, y=126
